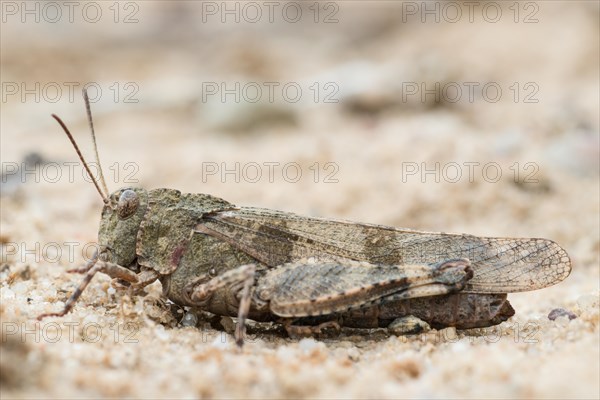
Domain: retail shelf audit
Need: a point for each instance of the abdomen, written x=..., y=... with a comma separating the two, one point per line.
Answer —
x=461, y=310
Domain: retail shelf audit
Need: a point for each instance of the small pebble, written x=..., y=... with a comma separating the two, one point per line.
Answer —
x=189, y=319
x=408, y=325
x=227, y=324
x=561, y=312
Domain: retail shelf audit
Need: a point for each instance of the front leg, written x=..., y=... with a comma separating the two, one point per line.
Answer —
x=241, y=275
x=113, y=270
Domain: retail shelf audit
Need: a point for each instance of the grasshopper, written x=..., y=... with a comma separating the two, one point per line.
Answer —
x=307, y=273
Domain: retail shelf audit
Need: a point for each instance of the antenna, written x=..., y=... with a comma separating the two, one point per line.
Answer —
x=91, y=123
x=62, y=124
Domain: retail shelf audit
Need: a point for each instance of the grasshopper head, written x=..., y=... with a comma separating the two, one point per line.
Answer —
x=123, y=210
x=119, y=226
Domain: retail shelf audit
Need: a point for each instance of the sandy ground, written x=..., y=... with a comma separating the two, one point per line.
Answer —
x=367, y=145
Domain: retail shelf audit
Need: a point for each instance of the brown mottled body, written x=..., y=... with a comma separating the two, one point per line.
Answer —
x=276, y=243
x=461, y=310
x=277, y=266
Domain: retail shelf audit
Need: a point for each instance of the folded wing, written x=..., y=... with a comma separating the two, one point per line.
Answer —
x=500, y=265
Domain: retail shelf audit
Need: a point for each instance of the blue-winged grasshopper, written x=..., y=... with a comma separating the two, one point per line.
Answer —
x=308, y=272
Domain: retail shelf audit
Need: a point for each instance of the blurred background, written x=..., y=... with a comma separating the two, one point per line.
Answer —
x=475, y=117
x=478, y=117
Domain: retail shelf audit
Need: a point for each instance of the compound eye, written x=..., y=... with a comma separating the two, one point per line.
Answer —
x=128, y=204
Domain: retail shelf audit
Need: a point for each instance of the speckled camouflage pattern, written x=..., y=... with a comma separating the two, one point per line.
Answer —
x=276, y=266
